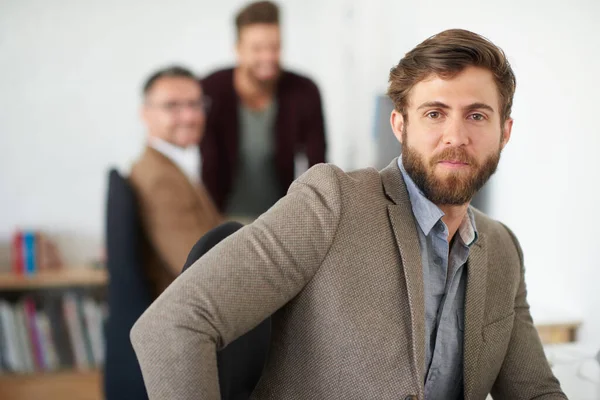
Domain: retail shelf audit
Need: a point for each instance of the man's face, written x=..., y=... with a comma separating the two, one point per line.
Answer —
x=258, y=51
x=174, y=111
x=453, y=135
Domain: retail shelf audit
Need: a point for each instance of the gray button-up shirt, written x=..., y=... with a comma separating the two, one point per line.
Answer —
x=444, y=282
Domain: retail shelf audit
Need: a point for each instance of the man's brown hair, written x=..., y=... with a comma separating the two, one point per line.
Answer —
x=447, y=54
x=260, y=12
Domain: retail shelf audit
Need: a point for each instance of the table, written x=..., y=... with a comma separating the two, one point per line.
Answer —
x=576, y=368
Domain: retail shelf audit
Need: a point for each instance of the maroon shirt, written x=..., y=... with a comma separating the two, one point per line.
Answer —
x=299, y=127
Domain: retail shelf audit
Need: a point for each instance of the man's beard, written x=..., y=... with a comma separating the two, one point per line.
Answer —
x=264, y=84
x=457, y=187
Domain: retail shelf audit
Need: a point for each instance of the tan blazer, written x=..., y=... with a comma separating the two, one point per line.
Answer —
x=337, y=263
x=175, y=213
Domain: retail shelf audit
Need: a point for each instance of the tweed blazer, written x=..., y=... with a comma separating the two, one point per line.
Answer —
x=337, y=264
x=174, y=214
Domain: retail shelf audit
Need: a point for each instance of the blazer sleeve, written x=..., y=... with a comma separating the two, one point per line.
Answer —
x=525, y=372
x=235, y=286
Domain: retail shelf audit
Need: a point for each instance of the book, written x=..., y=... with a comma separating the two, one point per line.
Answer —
x=29, y=252
x=23, y=343
x=48, y=256
x=33, y=251
x=3, y=362
x=17, y=253
x=51, y=362
x=34, y=334
x=41, y=251
x=93, y=317
x=101, y=315
x=9, y=343
x=53, y=308
x=87, y=341
x=75, y=331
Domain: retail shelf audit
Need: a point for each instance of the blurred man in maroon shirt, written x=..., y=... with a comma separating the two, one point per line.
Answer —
x=261, y=118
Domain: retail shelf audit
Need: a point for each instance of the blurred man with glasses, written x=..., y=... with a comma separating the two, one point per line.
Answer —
x=174, y=207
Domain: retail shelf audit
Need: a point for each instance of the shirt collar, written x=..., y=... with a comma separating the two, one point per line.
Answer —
x=467, y=229
x=428, y=214
x=186, y=159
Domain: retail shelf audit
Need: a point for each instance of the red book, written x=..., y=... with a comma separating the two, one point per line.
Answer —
x=17, y=253
x=34, y=335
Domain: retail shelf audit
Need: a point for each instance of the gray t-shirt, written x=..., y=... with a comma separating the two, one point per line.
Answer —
x=256, y=186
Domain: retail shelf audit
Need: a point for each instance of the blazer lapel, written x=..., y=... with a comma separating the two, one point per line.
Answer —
x=405, y=232
x=474, y=309
x=208, y=214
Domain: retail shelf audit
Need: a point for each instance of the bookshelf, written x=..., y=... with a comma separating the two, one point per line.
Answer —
x=84, y=384
x=66, y=277
x=558, y=332
x=80, y=385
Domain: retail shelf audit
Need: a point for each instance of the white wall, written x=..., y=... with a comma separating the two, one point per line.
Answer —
x=545, y=189
x=72, y=70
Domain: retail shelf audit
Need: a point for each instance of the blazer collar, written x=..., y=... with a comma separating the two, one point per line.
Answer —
x=405, y=232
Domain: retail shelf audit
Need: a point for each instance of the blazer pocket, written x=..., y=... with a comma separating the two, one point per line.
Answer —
x=499, y=330
x=496, y=339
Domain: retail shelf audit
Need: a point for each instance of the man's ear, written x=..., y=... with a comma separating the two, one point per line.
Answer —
x=506, y=132
x=144, y=111
x=397, y=122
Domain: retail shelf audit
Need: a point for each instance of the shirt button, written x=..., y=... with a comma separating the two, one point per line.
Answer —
x=438, y=261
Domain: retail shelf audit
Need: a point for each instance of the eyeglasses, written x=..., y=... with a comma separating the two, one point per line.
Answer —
x=176, y=106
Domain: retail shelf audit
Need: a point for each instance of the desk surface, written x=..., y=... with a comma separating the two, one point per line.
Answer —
x=577, y=369
x=575, y=366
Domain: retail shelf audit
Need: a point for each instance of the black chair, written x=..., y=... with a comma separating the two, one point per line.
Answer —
x=129, y=292
x=240, y=364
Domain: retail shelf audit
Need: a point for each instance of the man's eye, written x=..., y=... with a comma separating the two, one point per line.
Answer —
x=433, y=114
x=477, y=117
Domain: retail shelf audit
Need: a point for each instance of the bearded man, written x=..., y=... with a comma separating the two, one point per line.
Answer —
x=380, y=284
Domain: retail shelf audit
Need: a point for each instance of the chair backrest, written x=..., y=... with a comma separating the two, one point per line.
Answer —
x=129, y=291
x=240, y=364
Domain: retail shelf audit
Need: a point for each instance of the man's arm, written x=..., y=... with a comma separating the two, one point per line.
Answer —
x=525, y=373
x=172, y=222
x=235, y=286
x=212, y=157
x=215, y=167
x=313, y=128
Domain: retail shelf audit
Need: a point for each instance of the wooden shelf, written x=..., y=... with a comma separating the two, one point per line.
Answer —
x=554, y=333
x=81, y=385
x=66, y=277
